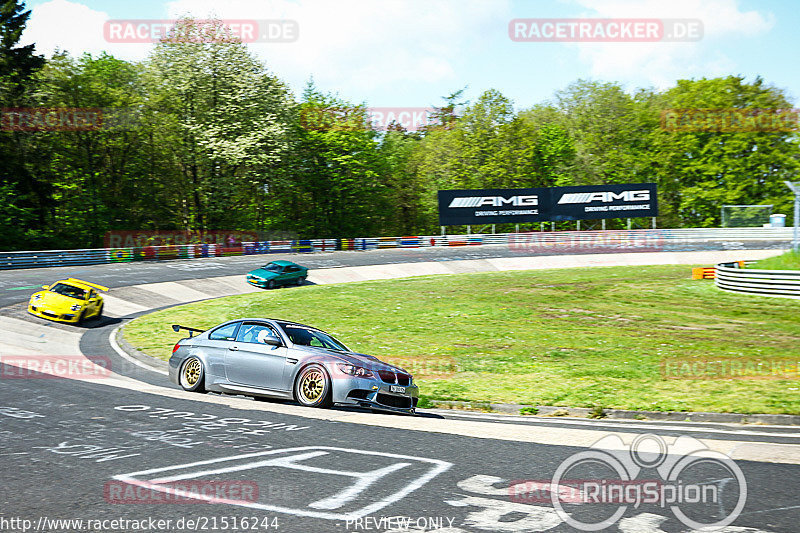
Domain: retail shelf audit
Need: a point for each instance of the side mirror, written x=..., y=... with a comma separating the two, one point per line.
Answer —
x=272, y=341
x=45, y=287
x=176, y=328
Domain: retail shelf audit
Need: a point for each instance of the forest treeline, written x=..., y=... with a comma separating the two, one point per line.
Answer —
x=203, y=136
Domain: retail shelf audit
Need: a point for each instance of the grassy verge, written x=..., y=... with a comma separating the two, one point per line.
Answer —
x=595, y=337
x=787, y=261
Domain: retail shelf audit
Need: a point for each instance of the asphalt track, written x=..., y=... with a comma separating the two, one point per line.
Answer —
x=106, y=447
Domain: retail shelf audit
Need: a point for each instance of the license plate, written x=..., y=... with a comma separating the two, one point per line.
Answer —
x=395, y=388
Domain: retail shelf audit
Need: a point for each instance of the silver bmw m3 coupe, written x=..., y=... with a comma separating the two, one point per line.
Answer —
x=281, y=359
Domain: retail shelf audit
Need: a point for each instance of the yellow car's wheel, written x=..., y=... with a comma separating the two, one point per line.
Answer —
x=193, y=375
x=312, y=388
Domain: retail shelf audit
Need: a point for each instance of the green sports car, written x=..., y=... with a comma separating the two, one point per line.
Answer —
x=277, y=273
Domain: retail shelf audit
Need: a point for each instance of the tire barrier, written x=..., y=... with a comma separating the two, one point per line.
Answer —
x=733, y=277
x=561, y=242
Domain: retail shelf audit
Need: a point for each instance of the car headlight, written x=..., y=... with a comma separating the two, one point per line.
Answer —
x=356, y=371
x=75, y=307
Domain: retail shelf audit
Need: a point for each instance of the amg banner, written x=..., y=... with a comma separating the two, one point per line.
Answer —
x=582, y=202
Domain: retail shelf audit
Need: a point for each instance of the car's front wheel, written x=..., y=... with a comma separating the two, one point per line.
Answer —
x=99, y=311
x=271, y=284
x=193, y=375
x=313, y=387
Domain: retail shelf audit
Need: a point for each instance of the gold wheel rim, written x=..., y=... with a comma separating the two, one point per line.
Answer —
x=191, y=373
x=312, y=386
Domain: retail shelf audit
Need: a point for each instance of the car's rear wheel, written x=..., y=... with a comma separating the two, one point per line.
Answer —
x=271, y=284
x=99, y=311
x=312, y=388
x=193, y=375
x=301, y=280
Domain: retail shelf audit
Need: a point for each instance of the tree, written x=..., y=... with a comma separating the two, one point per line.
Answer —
x=701, y=171
x=24, y=199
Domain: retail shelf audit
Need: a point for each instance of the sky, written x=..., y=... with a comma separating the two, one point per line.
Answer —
x=411, y=53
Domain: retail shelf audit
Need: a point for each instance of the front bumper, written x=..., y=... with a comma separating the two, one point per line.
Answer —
x=374, y=394
x=261, y=283
x=70, y=318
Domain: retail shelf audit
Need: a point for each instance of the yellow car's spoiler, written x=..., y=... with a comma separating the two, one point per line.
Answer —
x=86, y=283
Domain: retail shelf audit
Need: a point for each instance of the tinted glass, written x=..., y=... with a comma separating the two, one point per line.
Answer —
x=253, y=332
x=225, y=333
x=272, y=267
x=312, y=337
x=69, y=290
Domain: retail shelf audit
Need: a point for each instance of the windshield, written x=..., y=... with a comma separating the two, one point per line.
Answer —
x=272, y=267
x=68, y=290
x=312, y=337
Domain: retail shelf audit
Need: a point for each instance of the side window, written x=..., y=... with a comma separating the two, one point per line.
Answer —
x=292, y=269
x=224, y=333
x=92, y=294
x=254, y=333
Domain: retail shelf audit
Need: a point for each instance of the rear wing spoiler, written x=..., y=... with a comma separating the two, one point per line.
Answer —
x=177, y=327
x=95, y=285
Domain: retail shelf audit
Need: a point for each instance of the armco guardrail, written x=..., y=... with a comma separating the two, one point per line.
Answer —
x=732, y=277
x=646, y=240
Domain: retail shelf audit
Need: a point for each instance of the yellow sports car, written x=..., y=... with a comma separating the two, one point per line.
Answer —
x=68, y=300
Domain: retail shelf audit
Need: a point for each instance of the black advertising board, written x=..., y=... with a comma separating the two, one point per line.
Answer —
x=581, y=202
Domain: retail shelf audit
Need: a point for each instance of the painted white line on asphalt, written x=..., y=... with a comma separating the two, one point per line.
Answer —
x=365, y=480
x=635, y=425
x=112, y=340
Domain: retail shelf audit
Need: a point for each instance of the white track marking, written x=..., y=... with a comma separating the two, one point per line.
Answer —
x=117, y=307
x=112, y=340
x=37, y=337
x=635, y=425
x=175, y=291
x=365, y=479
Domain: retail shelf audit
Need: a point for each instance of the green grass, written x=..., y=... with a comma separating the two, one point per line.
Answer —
x=592, y=337
x=787, y=261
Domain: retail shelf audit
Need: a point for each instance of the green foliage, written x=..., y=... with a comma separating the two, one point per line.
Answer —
x=497, y=334
x=788, y=261
x=201, y=135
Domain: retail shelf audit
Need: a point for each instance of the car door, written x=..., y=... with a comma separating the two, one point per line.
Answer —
x=292, y=273
x=93, y=302
x=217, y=344
x=251, y=362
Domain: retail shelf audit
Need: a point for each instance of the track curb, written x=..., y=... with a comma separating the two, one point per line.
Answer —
x=551, y=411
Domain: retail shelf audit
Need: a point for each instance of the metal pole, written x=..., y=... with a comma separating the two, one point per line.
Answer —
x=796, y=239
x=795, y=187
x=604, y=224
x=579, y=225
x=469, y=230
x=654, y=222
x=444, y=232
x=492, y=229
x=516, y=229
